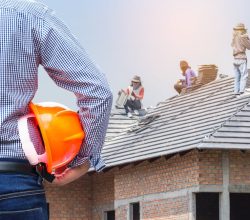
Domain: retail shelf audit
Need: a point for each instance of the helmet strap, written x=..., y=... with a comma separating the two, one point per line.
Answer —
x=42, y=172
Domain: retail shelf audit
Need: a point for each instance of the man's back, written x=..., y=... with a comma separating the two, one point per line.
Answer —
x=31, y=35
x=20, y=37
x=240, y=43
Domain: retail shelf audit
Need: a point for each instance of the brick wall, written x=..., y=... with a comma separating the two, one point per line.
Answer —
x=167, y=209
x=210, y=167
x=70, y=202
x=89, y=197
x=102, y=194
x=160, y=176
x=132, y=183
x=239, y=168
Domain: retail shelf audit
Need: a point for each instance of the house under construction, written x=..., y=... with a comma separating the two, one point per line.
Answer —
x=186, y=159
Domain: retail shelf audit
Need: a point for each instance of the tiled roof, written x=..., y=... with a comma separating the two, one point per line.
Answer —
x=209, y=117
x=234, y=133
x=119, y=123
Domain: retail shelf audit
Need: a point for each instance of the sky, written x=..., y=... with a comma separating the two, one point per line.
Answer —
x=148, y=38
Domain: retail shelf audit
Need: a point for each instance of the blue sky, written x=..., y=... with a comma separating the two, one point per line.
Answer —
x=148, y=38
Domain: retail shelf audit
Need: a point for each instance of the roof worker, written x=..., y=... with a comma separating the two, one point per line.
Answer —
x=240, y=43
x=189, y=75
x=31, y=35
x=135, y=94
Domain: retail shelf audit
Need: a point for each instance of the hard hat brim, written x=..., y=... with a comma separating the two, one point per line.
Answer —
x=44, y=136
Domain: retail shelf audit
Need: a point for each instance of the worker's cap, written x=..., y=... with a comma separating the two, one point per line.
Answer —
x=136, y=79
x=239, y=26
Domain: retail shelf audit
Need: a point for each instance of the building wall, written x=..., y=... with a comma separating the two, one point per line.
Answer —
x=102, y=194
x=239, y=168
x=158, y=187
x=169, y=209
x=163, y=175
x=210, y=168
x=70, y=202
x=164, y=188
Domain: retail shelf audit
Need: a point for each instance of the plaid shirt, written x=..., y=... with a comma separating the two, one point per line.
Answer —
x=31, y=35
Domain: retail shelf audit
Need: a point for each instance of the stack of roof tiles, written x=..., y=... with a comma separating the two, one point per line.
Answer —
x=206, y=74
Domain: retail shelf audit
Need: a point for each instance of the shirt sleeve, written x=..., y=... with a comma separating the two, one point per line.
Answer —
x=141, y=94
x=246, y=42
x=193, y=74
x=67, y=63
x=188, y=78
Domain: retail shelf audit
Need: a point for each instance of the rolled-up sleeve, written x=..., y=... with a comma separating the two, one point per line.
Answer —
x=70, y=67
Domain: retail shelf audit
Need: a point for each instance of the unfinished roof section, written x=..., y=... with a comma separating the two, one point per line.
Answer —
x=119, y=123
x=184, y=123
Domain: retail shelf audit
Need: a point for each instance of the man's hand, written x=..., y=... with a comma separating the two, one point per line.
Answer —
x=71, y=174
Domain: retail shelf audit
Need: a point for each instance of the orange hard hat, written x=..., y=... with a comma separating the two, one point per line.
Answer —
x=61, y=132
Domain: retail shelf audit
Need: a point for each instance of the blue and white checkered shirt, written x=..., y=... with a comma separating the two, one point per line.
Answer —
x=31, y=35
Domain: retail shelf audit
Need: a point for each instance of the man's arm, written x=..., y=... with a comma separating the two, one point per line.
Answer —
x=140, y=96
x=71, y=174
x=188, y=76
x=69, y=66
x=245, y=41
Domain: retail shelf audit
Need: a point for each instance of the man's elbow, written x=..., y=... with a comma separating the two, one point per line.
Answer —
x=108, y=97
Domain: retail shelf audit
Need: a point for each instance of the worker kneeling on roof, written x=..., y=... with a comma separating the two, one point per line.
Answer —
x=189, y=75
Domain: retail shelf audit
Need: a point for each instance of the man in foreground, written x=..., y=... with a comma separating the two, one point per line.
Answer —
x=30, y=36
